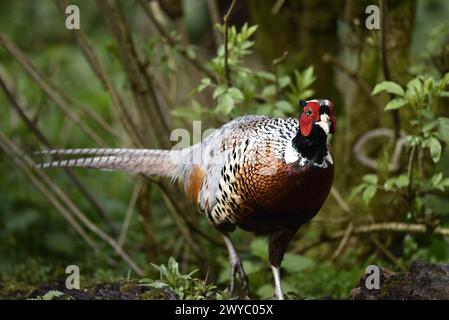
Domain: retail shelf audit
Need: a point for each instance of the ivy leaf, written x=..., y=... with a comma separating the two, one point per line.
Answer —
x=395, y=104
x=435, y=149
x=390, y=87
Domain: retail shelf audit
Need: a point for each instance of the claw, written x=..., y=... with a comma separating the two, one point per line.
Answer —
x=237, y=268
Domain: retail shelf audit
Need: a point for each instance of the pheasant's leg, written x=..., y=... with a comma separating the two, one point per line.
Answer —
x=236, y=266
x=277, y=243
x=277, y=282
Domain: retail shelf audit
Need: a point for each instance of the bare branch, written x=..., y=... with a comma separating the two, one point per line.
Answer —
x=72, y=207
x=4, y=84
x=214, y=15
x=172, y=42
x=153, y=116
x=45, y=85
x=129, y=213
x=6, y=144
x=226, y=41
x=385, y=66
x=383, y=227
x=354, y=77
x=97, y=67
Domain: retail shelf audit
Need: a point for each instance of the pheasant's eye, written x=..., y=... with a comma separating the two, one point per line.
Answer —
x=308, y=112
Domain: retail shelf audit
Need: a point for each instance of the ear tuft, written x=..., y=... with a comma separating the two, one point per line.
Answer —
x=302, y=103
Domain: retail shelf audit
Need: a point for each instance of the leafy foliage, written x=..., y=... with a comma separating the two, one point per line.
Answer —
x=426, y=133
x=184, y=285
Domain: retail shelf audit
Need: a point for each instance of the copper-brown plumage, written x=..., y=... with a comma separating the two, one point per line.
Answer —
x=264, y=175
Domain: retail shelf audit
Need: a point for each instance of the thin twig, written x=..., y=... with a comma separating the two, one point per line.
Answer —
x=215, y=19
x=129, y=213
x=385, y=66
x=98, y=69
x=275, y=63
x=354, y=77
x=173, y=43
x=410, y=177
x=6, y=144
x=45, y=85
x=360, y=155
x=152, y=116
x=76, y=211
x=178, y=209
x=42, y=138
x=226, y=43
x=344, y=242
x=277, y=6
x=387, y=253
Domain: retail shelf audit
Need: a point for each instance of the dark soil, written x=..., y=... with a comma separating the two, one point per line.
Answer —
x=423, y=281
x=121, y=290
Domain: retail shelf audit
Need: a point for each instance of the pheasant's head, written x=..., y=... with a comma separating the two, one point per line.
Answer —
x=317, y=113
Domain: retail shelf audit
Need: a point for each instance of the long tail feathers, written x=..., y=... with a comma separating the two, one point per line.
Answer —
x=145, y=161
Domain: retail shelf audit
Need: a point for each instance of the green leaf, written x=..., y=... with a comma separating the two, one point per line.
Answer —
x=429, y=126
x=435, y=149
x=284, y=106
x=266, y=75
x=389, y=184
x=443, y=129
x=225, y=103
x=390, y=87
x=265, y=291
x=308, y=77
x=369, y=193
x=370, y=178
x=436, y=179
x=395, y=104
x=294, y=263
x=402, y=181
x=204, y=84
x=259, y=248
x=269, y=91
x=236, y=94
x=219, y=91
x=284, y=81
x=356, y=191
x=265, y=109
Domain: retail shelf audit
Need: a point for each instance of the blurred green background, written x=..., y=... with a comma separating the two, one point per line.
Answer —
x=300, y=49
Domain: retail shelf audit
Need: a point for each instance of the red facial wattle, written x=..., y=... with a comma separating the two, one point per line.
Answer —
x=310, y=114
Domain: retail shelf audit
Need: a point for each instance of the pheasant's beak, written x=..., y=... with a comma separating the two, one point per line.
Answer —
x=324, y=123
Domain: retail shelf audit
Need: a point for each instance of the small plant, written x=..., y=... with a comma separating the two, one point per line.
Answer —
x=426, y=136
x=50, y=295
x=247, y=91
x=184, y=285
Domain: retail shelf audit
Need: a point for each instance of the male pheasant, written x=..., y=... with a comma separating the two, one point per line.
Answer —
x=265, y=175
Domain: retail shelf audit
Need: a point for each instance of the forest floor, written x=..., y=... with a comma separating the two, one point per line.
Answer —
x=423, y=280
